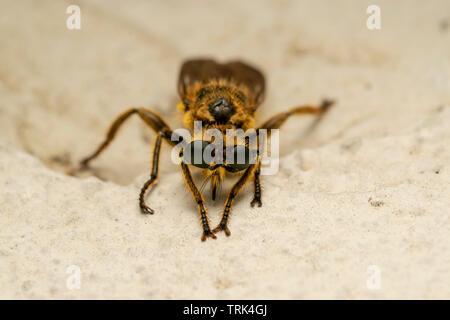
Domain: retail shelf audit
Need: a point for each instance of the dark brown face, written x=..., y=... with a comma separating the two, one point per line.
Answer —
x=221, y=105
x=221, y=109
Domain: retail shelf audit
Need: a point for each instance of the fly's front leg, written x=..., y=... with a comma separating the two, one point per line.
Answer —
x=153, y=176
x=231, y=196
x=199, y=201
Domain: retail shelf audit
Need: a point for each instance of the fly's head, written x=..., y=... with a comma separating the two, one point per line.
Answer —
x=218, y=104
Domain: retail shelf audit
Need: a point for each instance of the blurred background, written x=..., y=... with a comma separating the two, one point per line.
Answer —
x=367, y=187
x=60, y=88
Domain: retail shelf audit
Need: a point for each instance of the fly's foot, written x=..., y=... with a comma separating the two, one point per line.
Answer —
x=83, y=166
x=256, y=201
x=146, y=210
x=222, y=227
x=326, y=104
x=208, y=234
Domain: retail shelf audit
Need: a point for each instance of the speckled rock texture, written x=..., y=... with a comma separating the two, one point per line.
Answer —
x=368, y=189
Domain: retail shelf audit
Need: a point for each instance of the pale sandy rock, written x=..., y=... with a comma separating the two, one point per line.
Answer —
x=368, y=187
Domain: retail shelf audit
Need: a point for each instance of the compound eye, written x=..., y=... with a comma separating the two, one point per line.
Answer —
x=242, y=158
x=193, y=153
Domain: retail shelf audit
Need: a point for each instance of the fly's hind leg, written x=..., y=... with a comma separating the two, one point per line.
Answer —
x=109, y=137
x=149, y=117
x=276, y=121
x=159, y=126
x=153, y=176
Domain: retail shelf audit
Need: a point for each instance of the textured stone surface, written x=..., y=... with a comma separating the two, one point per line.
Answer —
x=369, y=186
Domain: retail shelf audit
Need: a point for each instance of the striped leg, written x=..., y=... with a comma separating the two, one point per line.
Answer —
x=231, y=196
x=277, y=120
x=199, y=200
x=257, y=193
x=153, y=176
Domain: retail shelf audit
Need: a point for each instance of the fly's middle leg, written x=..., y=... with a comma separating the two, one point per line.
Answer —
x=257, y=183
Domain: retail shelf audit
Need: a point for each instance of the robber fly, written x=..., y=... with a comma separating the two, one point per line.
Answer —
x=222, y=96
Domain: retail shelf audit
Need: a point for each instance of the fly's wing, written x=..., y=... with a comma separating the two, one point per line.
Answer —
x=252, y=78
x=204, y=70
